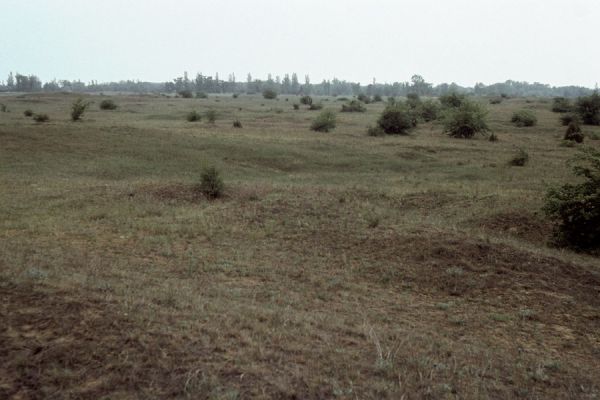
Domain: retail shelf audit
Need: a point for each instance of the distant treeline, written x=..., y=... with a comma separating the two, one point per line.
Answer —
x=290, y=84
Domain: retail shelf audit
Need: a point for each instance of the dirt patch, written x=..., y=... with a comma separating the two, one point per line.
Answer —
x=523, y=225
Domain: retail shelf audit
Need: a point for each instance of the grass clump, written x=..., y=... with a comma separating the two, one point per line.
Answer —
x=78, y=108
x=211, y=183
x=41, y=118
x=108, y=105
x=493, y=137
x=306, y=100
x=364, y=98
x=561, y=105
x=269, y=94
x=3, y=107
x=429, y=110
x=452, y=100
x=567, y=118
x=523, y=118
x=465, y=120
x=186, y=94
x=375, y=131
x=237, y=124
x=397, y=119
x=520, y=159
x=573, y=133
x=496, y=100
x=296, y=106
x=353, y=106
x=316, y=106
x=575, y=208
x=193, y=116
x=28, y=113
x=377, y=98
x=324, y=122
x=201, y=95
x=211, y=116
x=588, y=108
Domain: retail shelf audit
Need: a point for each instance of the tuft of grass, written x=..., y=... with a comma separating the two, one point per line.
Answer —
x=237, y=123
x=108, y=105
x=211, y=116
x=193, y=116
x=211, y=183
x=28, y=113
x=520, y=159
x=41, y=118
x=324, y=122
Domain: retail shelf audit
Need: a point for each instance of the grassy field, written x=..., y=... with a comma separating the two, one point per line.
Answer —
x=337, y=265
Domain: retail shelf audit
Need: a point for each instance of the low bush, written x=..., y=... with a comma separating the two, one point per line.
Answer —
x=211, y=116
x=452, y=100
x=520, y=159
x=575, y=208
x=588, y=108
x=237, y=123
x=316, y=106
x=466, y=120
x=211, y=183
x=561, y=105
x=429, y=110
x=413, y=101
x=567, y=118
x=364, y=98
x=493, y=137
x=186, y=94
x=377, y=98
x=108, y=105
x=193, y=116
x=496, y=100
x=3, y=108
x=296, y=106
x=324, y=122
x=235, y=95
x=78, y=108
x=397, y=119
x=524, y=118
x=306, y=100
x=574, y=133
x=269, y=94
x=353, y=106
x=41, y=118
x=375, y=131
x=201, y=95
x=28, y=113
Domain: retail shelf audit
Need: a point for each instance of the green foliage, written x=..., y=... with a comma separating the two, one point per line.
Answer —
x=397, y=119
x=211, y=116
x=108, y=105
x=496, y=100
x=493, y=137
x=235, y=95
x=375, y=131
x=561, y=105
x=3, y=107
x=465, y=120
x=211, y=183
x=520, y=159
x=353, y=106
x=429, y=110
x=574, y=133
x=28, y=113
x=201, y=95
x=567, y=118
x=193, y=116
x=413, y=101
x=306, y=100
x=575, y=208
x=186, y=94
x=377, y=98
x=364, y=98
x=269, y=94
x=78, y=108
x=316, y=106
x=452, y=100
x=41, y=118
x=324, y=122
x=588, y=108
x=296, y=106
x=524, y=118
x=237, y=123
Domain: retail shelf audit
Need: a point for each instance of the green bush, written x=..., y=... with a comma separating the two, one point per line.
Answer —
x=561, y=105
x=3, y=107
x=235, y=95
x=316, y=106
x=567, y=118
x=78, y=108
x=201, y=95
x=108, y=105
x=211, y=116
x=41, y=118
x=575, y=208
x=496, y=100
x=306, y=100
x=574, y=133
x=324, y=122
x=375, y=131
x=520, y=159
x=28, y=113
x=452, y=100
x=493, y=137
x=524, y=118
x=377, y=98
x=466, y=120
x=193, y=116
x=269, y=94
x=237, y=123
x=296, y=106
x=353, y=106
x=397, y=119
x=413, y=101
x=211, y=183
x=588, y=108
x=186, y=94
x=429, y=110
x=364, y=98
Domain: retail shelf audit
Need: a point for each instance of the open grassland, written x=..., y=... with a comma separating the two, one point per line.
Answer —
x=337, y=265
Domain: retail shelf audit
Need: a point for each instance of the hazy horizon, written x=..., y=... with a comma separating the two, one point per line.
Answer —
x=457, y=41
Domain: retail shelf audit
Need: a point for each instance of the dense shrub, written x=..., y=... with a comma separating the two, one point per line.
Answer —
x=575, y=208
x=237, y=123
x=452, y=100
x=353, y=106
x=316, y=106
x=211, y=116
x=413, y=101
x=588, y=108
x=108, y=105
x=3, y=107
x=324, y=122
x=306, y=100
x=377, y=98
x=296, y=106
x=28, y=113
x=493, y=137
x=235, y=95
x=567, y=118
x=364, y=98
x=375, y=131
x=211, y=183
x=561, y=105
x=397, y=119
x=193, y=116
x=524, y=118
x=186, y=94
x=574, y=133
x=520, y=159
x=41, y=118
x=269, y=94
x=78, y=108
x=496, y=100
x=429, y=110
x=466, y=120
x=201, y=95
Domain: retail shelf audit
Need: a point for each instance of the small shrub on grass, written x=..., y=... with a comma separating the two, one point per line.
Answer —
x=520, y=159
x=41, y=118
x=466, y=120
x=429, y=110
x=186, y=94
x=575, y=208
x=324, y=122
x=364, y=98
x=567, y=118
x=296, y=106
x=496, y=100
x=397, y=119
x=413, y=101
x=593, y=136
x=353, y=106
x=377, y=98
x=3, y=107
x=201, y=95
x=108, y=105
x=375, y=131
x=493, y=138
x=573, y=133
x=269, y=94
x=28, y=113
x=588, y=108
x=237, y=123
x=306, y=100
x=211, y=116
x=561, y=105
x=78, y=108
x=193, y=116
x=211, y=183
x=524, y=118
x=316, y=106
x=452, y=100
x=235, y=95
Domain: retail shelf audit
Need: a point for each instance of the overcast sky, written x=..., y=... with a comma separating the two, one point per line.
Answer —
x=463, y=41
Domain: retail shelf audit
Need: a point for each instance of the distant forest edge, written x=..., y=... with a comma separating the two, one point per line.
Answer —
x=289, y=84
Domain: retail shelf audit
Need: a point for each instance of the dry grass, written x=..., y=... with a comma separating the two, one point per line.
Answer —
x=336, y=266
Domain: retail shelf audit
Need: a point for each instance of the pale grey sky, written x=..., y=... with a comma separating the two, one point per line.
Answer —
x=465, y=41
